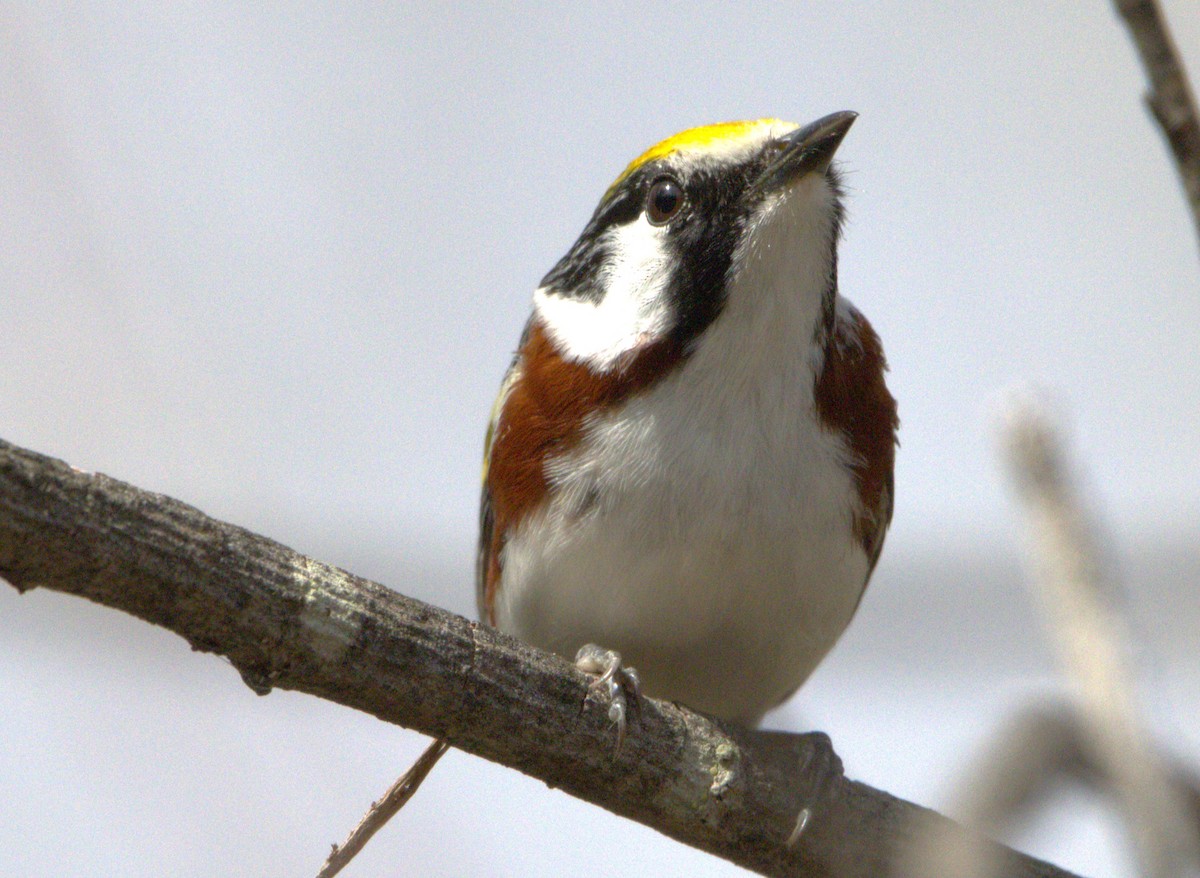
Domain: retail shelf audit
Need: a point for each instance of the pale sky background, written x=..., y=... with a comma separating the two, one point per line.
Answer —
x=273, y=260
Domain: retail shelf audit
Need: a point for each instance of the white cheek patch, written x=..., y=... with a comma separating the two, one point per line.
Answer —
x=634, y=309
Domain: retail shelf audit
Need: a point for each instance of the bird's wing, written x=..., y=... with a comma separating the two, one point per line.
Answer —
x=852, y=397
x=484, y=562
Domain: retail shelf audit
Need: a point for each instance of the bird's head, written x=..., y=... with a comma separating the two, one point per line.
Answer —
x=736, y=211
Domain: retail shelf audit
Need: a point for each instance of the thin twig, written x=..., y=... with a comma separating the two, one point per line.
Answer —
x=287, y=621
x=1170, y=98
x=1089, y=631
x=384, y=810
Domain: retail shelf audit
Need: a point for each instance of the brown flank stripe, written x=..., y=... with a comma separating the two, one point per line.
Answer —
x=545, y=412
x=851, y=398
x=544, y=415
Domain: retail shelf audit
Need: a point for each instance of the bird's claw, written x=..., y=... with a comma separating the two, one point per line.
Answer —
x=611, y=685
x=819, y=765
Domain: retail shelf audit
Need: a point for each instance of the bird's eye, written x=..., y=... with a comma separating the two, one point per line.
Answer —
x=663, y=201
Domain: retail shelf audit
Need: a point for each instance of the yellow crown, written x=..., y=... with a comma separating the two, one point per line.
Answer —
x=704, y=137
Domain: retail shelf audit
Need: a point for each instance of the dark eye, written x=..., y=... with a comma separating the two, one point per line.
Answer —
x=663, y=200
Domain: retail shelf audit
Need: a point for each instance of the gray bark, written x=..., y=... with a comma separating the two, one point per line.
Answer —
x=287, y=621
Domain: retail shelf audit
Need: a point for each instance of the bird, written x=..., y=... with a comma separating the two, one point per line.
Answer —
x=688, y=469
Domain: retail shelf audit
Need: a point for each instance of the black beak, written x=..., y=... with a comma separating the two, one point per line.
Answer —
x=806, y=150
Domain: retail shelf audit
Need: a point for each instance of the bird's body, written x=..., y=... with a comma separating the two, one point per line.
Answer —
x=691, y=458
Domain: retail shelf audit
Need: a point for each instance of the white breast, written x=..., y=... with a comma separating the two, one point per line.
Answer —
x=703, y=528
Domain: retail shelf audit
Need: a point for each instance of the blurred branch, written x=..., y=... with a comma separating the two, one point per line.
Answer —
x=1036, y=750
x=287, y=621
x=1039, y=746
x=1043, y=744
x=1092, y=641
x=1013, y=773
x=1170, y=98
x=1097, y=739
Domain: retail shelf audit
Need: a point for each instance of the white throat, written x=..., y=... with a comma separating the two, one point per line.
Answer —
x=780, y=274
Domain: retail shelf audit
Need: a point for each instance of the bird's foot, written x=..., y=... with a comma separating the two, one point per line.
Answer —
x=819, y=765
x=612, y=684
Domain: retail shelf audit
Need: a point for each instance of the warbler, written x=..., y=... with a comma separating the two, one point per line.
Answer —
x=689, y=468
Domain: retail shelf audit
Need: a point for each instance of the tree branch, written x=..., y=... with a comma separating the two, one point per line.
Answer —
x=1088, y=629
x=287, y=621
x=382, y=811
x=1170, y=99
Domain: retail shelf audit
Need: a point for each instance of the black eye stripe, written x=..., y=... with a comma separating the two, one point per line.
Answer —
x=702, y=232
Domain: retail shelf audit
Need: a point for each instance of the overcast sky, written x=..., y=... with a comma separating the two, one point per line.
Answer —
x=274, y=260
